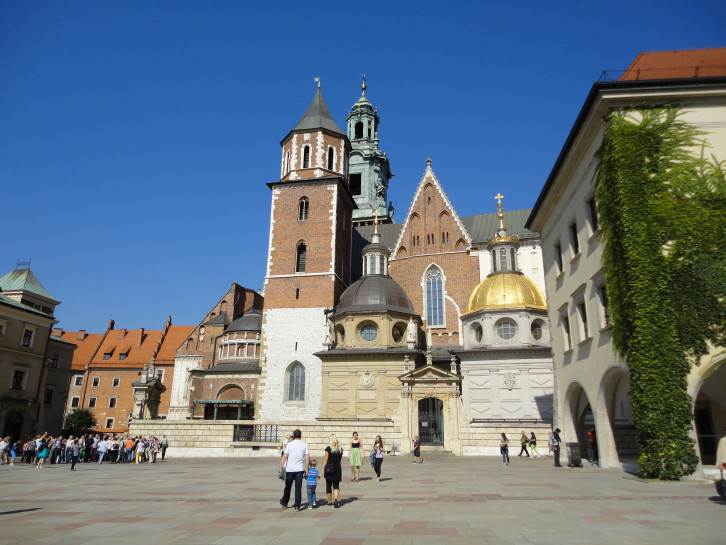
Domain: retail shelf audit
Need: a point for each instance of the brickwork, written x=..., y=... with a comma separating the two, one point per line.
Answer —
x=433, y=235
x=327, y=244
x=211, y=386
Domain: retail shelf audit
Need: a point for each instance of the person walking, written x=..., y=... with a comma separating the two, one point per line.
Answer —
x=355, y=454
x=378, y=457
x=333, y=470
x=523, y=440
x=504, y=449
x=416, y=450
x=75, y=453
x=312, y=483
x=533, y=445
x=164, y=446
x=296, y=460
x=554, y=442
x=140, y=448
x=549, y=443
x=13, y=448
x=42, y=451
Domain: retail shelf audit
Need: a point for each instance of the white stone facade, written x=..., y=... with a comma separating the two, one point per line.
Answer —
x=291, y=335
x=179, y=402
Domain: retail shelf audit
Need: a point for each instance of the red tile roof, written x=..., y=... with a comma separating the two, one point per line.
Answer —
x=86, y=347
x=685, y=64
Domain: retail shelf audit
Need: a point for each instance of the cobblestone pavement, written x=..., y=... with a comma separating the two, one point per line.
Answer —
x=445, y=500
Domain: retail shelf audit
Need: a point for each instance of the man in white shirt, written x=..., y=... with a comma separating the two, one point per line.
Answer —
x=296, y=461
x=102, y=446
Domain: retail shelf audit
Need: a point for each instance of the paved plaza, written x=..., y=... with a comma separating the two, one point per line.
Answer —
x=446, y=500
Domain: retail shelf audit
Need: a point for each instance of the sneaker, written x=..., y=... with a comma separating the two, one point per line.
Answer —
x=378, y=480
x=422, y=461
x=336, y=504
x=413, y=462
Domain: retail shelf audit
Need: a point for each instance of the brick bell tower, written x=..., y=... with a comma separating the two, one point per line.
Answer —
x=308, y=263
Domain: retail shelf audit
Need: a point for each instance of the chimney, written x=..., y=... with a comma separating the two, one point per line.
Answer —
x=57, y=332
x=121, y=334
x=81, y=334
x=111, y=324
x=141, y=337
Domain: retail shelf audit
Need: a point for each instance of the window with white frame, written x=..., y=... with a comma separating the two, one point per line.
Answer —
x=109, y=423
x=79, y=380
x=592, y=215
x=434, y=297
x=565, y=326
x=574, y=241
x=95, y=382
x=28, y=337
x=75, y=402
x=19, y=377
x=92, y=402
x=112, y=402
x=116, y=382
x=559, y=263
x=582, y=323
x=604, y=306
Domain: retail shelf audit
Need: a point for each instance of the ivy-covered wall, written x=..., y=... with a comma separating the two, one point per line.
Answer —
x=661, y=203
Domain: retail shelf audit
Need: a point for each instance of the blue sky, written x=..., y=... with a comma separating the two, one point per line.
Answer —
x=136, y=138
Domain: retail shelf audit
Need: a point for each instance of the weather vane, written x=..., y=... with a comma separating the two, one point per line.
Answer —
x=318, y=81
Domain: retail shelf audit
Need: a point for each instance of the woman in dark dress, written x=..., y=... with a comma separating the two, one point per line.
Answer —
x=332, y=470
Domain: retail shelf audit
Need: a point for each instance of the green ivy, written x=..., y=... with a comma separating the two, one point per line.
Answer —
x=662, y=212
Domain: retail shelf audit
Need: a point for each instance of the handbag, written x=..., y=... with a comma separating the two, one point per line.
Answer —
x=373, y=457
x=282, y=474
x=721, y=488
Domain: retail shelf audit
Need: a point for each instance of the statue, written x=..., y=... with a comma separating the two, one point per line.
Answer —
x=391, y=210
x=411, y=331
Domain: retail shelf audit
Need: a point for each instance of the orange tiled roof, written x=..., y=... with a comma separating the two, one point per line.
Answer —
x=175, y=336
x=86, y=347
x=685, y=64
x=120, y=341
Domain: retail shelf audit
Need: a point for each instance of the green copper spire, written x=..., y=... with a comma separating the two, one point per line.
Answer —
x=369, y=170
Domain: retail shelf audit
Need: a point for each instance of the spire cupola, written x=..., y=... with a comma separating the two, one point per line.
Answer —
x=503, y=247
x=369, y=167
x=316, y=147
x=375, y=255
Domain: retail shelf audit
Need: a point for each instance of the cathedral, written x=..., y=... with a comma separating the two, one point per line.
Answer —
x=435, y=326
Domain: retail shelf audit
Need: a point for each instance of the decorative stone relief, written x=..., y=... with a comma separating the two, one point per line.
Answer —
x=366, y=380
x=510, y=381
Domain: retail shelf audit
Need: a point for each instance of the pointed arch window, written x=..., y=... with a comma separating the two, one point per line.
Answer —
x=302, y=209
x=306, y=157
x=331, y=158
x=434, y=297
x=296, y=383
x=301, y=257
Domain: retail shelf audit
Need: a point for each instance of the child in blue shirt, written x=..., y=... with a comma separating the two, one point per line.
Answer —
x=313, y=476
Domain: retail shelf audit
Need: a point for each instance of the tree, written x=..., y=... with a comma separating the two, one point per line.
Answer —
x=80, y=419
x=662, y=211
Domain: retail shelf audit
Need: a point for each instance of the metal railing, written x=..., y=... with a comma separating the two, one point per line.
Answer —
x=256, y=433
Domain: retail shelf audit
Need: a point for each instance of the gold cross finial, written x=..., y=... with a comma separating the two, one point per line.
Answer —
x=363, y=87
x=375, y=221
x=500, y=214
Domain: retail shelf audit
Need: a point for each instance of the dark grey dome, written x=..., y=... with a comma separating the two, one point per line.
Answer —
x=376, y=246
x=374, y=293
x=252, y=321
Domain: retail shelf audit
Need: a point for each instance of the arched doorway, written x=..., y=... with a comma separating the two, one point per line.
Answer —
x=709, y=412
x=13, y=425
x=616, y=392
x=431, y=421
x=578, y=418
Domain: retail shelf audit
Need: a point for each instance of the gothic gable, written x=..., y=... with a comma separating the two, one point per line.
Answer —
x=432, y=225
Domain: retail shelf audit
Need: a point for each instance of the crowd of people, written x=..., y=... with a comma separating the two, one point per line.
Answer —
x=553, y=443
x=86, y=448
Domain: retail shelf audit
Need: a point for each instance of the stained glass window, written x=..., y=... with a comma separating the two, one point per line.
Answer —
x=434, y=298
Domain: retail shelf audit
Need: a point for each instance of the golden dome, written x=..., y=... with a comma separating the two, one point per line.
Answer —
x=508, y=290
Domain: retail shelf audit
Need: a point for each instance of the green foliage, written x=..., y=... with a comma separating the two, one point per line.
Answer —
x=662, y=211
x=80, y=419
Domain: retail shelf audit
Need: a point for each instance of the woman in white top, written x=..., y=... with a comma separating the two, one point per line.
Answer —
x=140, y=446
x=378, y=459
